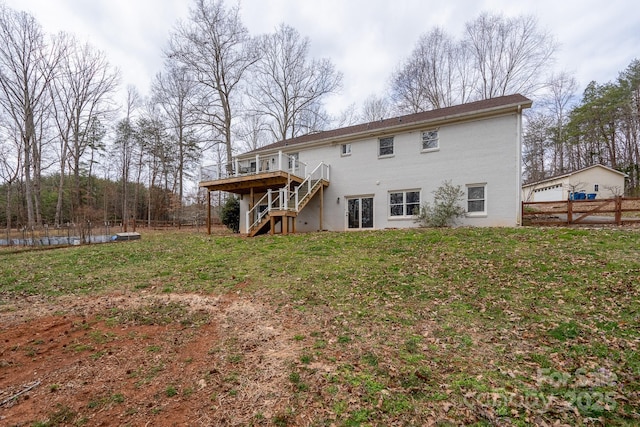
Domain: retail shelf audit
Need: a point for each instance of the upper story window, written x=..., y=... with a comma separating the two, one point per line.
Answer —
x=385, y=146
x=345, y=149
x=476, y=199
x=430, y=140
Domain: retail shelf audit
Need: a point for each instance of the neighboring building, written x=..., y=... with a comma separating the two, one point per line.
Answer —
x=377, y=175
x=594, y=182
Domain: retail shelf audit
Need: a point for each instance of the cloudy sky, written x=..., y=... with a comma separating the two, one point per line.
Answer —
x=365, y=39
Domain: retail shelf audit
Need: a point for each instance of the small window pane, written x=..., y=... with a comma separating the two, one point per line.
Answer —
x=396, y=210
x=413, y=197
x=430, y=140
x=346, y=149
x=386, y=146
x=476, y=193
x=395, y=198
x=413, y=208
x=476, y=199
x=476, y=206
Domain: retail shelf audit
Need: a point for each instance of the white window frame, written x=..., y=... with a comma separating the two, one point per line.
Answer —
x=436, y=139
x=345, y=149
x=404, y=215
x=386, y=138
x=482, y=185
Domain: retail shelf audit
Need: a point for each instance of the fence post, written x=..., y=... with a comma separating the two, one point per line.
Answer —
x=569, y=212
x=618, y=210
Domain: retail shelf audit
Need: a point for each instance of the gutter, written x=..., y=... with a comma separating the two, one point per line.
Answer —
x=479, y=114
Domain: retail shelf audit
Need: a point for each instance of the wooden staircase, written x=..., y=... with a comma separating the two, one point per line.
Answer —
x=284, y=203
x=271, y=217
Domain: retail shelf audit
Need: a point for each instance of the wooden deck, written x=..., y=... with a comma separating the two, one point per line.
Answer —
x=256, y=183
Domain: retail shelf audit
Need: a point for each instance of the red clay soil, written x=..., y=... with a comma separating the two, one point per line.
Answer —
x=115, y=360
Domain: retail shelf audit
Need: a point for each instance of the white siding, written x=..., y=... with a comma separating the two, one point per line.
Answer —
x=601, y=181
x=609, y=183
x=477, y=152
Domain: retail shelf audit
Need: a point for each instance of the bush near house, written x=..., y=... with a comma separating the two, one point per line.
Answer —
x=446, y=207
x=230, y=214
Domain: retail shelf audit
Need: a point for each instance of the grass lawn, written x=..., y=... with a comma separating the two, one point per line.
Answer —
x=401, y=327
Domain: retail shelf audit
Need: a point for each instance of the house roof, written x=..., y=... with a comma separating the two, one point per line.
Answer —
x=566, y=175
x=473, y=109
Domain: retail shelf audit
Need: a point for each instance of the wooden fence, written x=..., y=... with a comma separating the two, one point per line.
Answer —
x=616, y=211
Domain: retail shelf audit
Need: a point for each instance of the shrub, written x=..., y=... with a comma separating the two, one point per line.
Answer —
x=230, y=215
x=446, y=207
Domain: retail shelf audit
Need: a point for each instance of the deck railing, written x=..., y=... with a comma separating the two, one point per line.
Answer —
x=284, y=199
x=321, y=172
x=253, y=166
x=272, y=200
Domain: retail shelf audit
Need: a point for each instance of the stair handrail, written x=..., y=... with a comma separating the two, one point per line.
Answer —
x=319, y=173
x=252, y=212
x=284, y=199
x=275, y=201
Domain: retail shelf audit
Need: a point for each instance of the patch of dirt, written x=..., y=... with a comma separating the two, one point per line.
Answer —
x=140, y=360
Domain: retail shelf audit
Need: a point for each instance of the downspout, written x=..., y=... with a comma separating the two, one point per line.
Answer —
x=519, y=167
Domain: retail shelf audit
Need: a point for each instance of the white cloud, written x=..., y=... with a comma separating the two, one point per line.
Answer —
x=366, y=39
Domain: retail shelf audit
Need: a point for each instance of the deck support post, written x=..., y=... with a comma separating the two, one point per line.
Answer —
x=321, y=205
x=208, y=212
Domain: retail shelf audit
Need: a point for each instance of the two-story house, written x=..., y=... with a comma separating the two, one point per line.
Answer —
x=377, y=175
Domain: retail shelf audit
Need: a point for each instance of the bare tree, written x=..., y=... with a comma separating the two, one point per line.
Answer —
x=512, y=55
x=175, y=93
x=10, y=165
x=80, y=97
x=375, y=108
x=124, y=144
x=27, y=65
x=535, y=143
x=348, y=117
x=252, y=131
x=434, y=75
x=629, y=83
x=562, y=89
x=288, y=87
x=217, y=49
x=156, y=144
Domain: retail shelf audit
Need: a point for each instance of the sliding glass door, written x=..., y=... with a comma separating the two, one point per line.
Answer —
x=360, y=212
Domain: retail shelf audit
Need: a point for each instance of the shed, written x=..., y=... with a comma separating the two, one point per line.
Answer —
x=597, y=181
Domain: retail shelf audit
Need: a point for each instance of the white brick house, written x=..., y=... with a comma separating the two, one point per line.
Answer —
x=376, y=175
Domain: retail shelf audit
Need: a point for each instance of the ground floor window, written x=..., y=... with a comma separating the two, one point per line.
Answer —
x=476, y=198
x=360, y=212
x=404, y=203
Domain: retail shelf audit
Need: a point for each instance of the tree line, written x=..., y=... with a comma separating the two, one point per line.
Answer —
x=71, y=151
x=564, y=133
